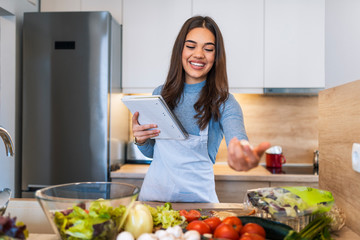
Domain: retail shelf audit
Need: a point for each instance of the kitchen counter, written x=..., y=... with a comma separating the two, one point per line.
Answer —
x=231, y=185
x=223, y=172
x=30, y=212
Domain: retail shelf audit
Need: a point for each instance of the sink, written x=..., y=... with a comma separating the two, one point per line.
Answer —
x=294, y=168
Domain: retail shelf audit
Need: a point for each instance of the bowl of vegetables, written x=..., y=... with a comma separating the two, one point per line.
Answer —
x=87, y=210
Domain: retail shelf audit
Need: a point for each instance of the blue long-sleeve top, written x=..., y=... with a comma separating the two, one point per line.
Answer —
x=231, y=122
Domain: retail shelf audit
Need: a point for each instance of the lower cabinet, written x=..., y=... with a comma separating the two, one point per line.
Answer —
x=134, y=181
x=235, y=191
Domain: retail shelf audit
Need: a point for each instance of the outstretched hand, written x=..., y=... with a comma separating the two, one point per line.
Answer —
x=143, y=132
x=242, y=157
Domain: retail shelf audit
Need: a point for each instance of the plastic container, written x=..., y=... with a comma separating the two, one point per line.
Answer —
x=293, y=206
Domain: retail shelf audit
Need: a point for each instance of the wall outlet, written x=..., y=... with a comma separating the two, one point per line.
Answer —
x=356, y=157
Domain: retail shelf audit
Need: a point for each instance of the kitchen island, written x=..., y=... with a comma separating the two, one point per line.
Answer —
x=231, y=185
x=30, y=212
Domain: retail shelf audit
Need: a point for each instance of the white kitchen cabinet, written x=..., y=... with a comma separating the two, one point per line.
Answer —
x=149, y=32
x=242, y=25
x=112, y=6
x=294, y=44
x=60, y=5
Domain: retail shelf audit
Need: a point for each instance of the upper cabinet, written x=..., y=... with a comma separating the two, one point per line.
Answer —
x=294, y=44
x=113, y=6
x=242, y=25
x=149, y=32
x=270, y=44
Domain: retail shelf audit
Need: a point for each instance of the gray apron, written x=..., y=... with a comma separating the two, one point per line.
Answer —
x=181, y=171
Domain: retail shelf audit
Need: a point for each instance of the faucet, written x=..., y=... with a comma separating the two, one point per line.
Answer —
x=7, y=141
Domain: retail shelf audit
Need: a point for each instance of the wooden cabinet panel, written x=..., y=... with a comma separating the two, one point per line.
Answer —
x=135, y=181
x=235, y=191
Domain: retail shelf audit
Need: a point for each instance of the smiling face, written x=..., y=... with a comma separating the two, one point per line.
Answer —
x=198, y=55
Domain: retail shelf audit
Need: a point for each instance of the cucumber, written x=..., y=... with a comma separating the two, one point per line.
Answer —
x=274, y=230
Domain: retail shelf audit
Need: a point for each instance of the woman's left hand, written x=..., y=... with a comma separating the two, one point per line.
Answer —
x=242, y=157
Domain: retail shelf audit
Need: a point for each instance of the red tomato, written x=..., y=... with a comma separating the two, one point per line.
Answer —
x=226, y=231
x=251, y=236
x=245, y=237
x=213, y=222
x=235, y=222
x=199, y=226
x=190, y=215
x=253, y=228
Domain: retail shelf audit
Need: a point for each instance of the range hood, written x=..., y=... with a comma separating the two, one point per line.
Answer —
x=299, y=91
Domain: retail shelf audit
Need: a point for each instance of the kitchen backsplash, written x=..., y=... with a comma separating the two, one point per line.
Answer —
x=287, y=120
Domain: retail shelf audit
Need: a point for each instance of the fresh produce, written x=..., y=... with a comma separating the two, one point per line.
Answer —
x=190, y=215
x=139, y=220
x=10, y=229
x=125, y=236
x=274, y=230
x=200, y=226
x=226, y=231
x=100, y=221
x=251, y=236
x=166, y=216
x=253, y=228
x=170, y=233
x=316, y=229
x=235, y=222
x=289, y=202
x=213, y=222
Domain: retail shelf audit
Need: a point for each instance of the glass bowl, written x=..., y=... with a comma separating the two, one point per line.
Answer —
x=4, y=200
x=87, y=210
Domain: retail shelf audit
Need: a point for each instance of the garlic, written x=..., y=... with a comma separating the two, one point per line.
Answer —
x=159, y=233
x=125, y=236
x=167, y=236
x=147, y=236
x=192, y=235
x=176, y=231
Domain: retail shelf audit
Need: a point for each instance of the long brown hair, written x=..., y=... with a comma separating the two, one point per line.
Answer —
x=216, y=90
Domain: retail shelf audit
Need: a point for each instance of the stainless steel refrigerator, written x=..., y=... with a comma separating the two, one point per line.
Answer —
x=71, y=66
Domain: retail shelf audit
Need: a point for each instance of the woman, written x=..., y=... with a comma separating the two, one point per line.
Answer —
x=196, y=89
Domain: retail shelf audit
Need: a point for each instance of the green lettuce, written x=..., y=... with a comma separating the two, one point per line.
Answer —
x=166, y=216
x=99, y=222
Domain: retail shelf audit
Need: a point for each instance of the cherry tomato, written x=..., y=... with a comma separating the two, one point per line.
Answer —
x=199, y=226
x=253, y=228
x=235, y=222
x=213, y=222
x=190, y=215
x=226, y=231
x=251, y=236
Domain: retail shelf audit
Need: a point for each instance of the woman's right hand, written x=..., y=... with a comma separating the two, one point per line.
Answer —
x=143, y=132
